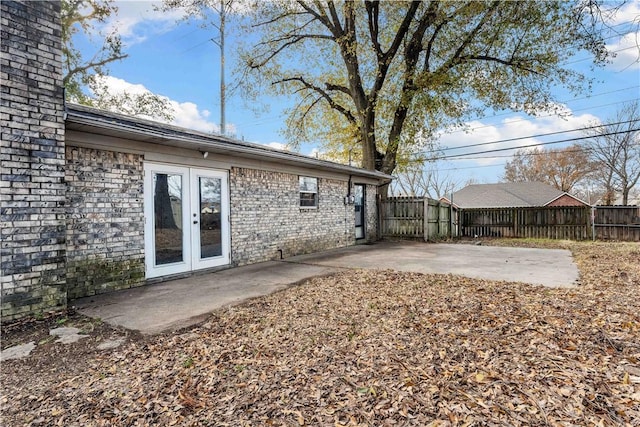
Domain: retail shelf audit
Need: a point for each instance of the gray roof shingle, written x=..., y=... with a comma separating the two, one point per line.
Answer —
x=505, y=195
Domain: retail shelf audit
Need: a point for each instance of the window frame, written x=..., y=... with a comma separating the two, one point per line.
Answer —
x=302, y=190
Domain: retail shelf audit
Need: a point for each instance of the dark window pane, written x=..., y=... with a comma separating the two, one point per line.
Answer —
x=168, y=218
x=307, y=199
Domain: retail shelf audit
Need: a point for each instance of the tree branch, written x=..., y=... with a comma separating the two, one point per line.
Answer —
x=340, y=88
x=275, y=52
x=334, y=105
x=88, y=66
x=509, y=62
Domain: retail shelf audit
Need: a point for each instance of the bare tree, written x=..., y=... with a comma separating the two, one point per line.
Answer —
x=563, y=168
x=615, y=149
x=424, y=180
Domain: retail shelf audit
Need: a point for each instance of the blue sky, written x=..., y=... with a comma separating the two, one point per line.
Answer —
x=176, y=59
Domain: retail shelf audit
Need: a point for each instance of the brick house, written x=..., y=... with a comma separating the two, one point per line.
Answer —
x=93, y=201
x=513, y=195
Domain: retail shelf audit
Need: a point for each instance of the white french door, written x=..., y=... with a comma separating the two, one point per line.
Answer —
x=186, y=219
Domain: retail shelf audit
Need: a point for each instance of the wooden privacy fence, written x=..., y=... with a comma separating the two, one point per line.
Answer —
x=617, y=223
x=429, y=219
x=416, y=218
x=573, y=223
x=545, y=222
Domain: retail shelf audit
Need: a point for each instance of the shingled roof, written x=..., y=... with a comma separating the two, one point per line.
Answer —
x=506, y=195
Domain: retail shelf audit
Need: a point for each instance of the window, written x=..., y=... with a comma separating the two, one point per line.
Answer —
x=308, y=192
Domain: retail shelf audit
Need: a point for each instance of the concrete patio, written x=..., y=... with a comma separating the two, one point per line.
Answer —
x=174, y=304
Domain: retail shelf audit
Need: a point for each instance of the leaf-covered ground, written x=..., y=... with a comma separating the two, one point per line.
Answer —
x=372, y=348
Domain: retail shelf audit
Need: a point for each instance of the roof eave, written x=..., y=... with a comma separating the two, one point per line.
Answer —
x=106, y=123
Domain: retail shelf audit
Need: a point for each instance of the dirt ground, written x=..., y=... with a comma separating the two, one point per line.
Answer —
x=357, y=348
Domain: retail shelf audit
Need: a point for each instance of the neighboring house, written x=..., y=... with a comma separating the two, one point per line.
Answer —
x=94, y=201
x=512, y=195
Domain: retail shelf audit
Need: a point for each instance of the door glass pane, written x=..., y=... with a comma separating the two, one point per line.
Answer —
x=167, y=200
x=209, y=208
x=359, y=210
x=358, y=204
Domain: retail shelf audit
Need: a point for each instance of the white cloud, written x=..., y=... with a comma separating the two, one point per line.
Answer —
x=629, y=12
x=186, y=114
x=628, y=52
x=625, y=22
x=189, y=116
x=277, y=145
x=509, y=128
x=138, y=20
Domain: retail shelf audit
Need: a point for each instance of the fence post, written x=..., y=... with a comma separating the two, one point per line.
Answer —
x=593, y=223
x=379, y=216
x=425, y=219
x=450, y=221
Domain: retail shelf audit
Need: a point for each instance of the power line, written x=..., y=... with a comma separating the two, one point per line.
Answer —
x=193, y=47
x=529, y=153
x=468, y=167
x=553, y=114
x=587, y=59
x=530, y=136
x=451, y=156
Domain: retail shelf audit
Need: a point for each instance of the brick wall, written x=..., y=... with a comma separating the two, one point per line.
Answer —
x=266, y=216
x=32, y=188
x=105, y=229
x=566, y=200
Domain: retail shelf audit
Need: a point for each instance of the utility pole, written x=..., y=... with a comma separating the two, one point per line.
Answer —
x=222, y=12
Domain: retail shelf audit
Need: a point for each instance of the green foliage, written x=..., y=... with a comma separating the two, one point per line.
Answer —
x=84, y=16
x=81, y=74
x=383, y=77
x=187, y=362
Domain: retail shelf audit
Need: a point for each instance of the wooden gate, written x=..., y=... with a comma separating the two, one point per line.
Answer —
x=416, y=218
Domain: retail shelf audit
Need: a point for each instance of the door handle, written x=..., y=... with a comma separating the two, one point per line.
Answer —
x=195, y=222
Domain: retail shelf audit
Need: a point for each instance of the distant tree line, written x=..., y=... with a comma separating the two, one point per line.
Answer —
x=602, y=167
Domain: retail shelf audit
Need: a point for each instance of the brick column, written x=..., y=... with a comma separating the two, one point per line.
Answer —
x=32, y=160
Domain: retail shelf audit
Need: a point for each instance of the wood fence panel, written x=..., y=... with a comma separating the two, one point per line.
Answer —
x=617, y=223
x=408, y=217
x=402, y=217
x=549, y=223
x=444, y=223
x=428, y=219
